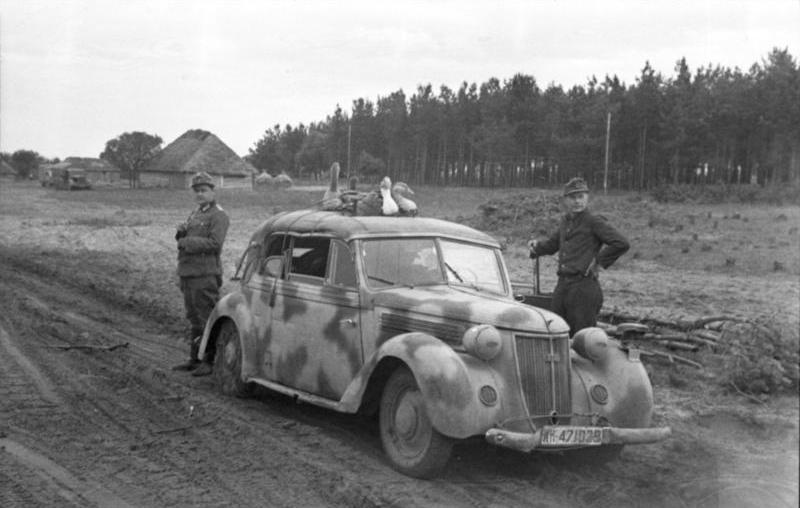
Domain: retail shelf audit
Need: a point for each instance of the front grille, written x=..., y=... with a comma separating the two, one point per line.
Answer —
x=544, y=371
x=394, y=324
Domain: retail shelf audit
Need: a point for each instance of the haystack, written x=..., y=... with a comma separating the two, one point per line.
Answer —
x=195, y=151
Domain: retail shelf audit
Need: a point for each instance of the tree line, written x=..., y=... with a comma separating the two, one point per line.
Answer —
x=714, y=125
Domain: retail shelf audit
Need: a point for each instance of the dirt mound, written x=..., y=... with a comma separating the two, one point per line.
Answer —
x=519, y=215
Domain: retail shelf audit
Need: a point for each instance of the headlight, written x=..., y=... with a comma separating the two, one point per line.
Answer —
x=591, y=343
x=482, y=341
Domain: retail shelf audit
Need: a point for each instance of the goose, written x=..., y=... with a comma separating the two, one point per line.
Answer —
x=376, y=202
x=332, y=200
x=399, y=192
x=389, y=205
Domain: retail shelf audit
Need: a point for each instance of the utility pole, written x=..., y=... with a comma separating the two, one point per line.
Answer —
x=349, y=132
x=605, y=172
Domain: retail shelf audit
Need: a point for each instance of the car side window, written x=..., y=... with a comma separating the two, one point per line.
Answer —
x=344, y=271
x=250, y=261
x=309, y=261
x=276, y=245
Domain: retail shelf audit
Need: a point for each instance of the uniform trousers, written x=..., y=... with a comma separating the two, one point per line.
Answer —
x=200, y=294
x=578, y=300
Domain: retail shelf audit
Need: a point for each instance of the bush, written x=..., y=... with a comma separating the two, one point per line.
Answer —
x=758, y=359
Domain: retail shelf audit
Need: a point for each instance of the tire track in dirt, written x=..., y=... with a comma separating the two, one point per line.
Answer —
x=45, y=389
x=166, y=439
x=67, y=485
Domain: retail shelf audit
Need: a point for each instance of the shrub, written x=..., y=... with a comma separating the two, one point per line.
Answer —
x=758, y=359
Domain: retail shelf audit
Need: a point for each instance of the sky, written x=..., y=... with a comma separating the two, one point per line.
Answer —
x=75, y=74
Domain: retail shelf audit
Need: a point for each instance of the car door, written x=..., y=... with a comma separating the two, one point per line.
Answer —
x=259, y=287
x=316, y=332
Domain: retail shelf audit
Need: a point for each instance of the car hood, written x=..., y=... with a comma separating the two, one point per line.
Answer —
x=464, y=304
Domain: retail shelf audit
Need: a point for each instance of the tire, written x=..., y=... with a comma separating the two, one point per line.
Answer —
x=413, y=446
x=228, y=362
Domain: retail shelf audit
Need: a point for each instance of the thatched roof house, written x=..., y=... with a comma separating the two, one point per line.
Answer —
x=6, y=171
x=98, y=171
x=197, y=150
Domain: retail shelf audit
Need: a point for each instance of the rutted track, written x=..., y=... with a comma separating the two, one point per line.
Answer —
x=91, y=427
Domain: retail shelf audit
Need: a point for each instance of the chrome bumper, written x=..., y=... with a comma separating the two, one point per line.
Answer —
x=526, y=442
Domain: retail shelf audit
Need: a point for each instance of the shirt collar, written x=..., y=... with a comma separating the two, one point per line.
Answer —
x=207, y=206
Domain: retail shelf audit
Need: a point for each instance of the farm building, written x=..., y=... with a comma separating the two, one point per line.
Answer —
x=197, y=150
x=97, y=171
x=6, y=171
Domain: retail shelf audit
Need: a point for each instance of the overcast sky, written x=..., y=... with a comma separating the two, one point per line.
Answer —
x=74, y=74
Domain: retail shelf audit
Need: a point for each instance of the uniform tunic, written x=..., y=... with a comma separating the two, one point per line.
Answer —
x=581, y=239
x=200, y=266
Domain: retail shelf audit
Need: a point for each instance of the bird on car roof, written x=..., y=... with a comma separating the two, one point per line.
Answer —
x=378, y=201
x=332, y=200
x=400, y=191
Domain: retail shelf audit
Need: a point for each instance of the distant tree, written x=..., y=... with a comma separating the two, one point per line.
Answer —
x=313, y=154
x=25, y=162
x=370, y=166
x=130, y=152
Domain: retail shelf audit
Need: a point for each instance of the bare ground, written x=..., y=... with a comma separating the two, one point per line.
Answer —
x=97, y=427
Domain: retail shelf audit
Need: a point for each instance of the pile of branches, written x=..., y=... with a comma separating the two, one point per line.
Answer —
x=755, y=358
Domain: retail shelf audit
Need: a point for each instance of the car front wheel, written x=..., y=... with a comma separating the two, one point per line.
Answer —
x=228, y=362
x=413, y=446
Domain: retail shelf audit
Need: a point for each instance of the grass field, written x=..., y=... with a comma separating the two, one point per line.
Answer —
x=686, y=261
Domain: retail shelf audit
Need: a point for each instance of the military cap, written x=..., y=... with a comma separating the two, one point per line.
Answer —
x=202, y=178
x=575, y=185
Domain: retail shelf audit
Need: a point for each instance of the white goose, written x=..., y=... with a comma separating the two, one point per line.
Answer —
x=389, y=206
x=406, y=206
x=377, y=202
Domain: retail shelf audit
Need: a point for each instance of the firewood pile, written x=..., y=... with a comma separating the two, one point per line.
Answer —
x=670, y=337
x=749, y=356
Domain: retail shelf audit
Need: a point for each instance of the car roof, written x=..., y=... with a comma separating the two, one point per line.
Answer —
x=347, y=227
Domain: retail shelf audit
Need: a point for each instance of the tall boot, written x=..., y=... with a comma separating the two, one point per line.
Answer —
x=192, y=363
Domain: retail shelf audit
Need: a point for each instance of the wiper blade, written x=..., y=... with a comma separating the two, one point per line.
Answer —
x=453, y=271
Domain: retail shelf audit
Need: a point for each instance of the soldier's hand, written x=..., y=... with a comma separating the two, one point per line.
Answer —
x=594, y=269
x=180, y=231
x=532, y=247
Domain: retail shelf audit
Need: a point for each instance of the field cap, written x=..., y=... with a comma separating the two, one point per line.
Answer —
x=575, y=185
x=202, y=178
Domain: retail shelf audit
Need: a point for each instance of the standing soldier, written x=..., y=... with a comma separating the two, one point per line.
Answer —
x=200, y=241
x=586, y=244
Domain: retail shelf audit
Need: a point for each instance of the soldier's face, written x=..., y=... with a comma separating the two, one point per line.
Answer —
x=203, y=194
x=576, y=202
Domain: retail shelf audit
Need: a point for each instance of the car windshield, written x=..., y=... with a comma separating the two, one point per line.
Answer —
x=416, y=261
x=472, y=265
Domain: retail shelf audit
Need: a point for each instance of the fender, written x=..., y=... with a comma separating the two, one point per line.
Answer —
x=234, y=306
x=629, y=402
x=450, y=383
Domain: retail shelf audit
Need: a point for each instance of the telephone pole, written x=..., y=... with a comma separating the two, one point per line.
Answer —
x=349, y=132
x=605, y=172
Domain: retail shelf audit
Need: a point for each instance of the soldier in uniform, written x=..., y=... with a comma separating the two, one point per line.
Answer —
x=586, y=244
x=200, y=241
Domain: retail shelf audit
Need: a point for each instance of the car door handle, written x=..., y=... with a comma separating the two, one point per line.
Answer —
x=348, y=321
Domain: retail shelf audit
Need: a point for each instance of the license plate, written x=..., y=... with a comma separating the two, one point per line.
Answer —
x=563, y=435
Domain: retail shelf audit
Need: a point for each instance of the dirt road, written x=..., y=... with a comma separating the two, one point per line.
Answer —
x=91, y=415
x=96, y=427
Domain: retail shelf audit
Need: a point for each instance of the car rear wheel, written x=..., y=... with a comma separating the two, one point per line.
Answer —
x=228, y=362
x=413, y=446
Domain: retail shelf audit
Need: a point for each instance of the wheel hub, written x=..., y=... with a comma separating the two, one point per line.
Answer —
x=406, y=419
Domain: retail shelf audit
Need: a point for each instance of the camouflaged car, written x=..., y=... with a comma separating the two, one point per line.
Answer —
x=416, y=318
